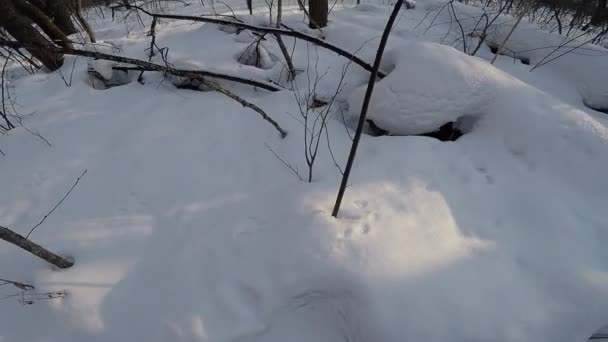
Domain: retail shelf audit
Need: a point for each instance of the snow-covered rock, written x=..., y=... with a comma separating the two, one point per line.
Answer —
x=430, y=85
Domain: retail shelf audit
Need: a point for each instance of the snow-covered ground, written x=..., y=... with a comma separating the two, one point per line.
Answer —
x=187, y=227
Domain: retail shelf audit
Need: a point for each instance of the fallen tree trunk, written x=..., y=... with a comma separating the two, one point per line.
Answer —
x=39, y=251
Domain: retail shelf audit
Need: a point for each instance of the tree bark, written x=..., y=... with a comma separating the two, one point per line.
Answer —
x=39, y=251
x=44, y=22
x=319, y=10
x=61, y=13
x=21, y=28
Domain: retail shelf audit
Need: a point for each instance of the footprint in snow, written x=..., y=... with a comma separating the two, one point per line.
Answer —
x=329, y=310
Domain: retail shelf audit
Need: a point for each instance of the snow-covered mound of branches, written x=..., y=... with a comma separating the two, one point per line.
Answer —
x=573, y=58
x=431, y=85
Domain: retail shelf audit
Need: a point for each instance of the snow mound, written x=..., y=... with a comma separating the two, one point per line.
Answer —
x=431, y=85
x=582, y=64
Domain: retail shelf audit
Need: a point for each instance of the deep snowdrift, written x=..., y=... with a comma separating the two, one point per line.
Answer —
x=187, y=228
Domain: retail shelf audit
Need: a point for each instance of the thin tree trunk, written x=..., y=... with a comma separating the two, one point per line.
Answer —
x=319, y=10
x=76, y=9
x=39, y=251
x=291, y=73
x=504, y=42
x=365, y=107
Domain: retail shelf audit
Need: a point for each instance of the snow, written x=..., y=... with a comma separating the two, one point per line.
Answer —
x=187, y=228
x=431, y=85
x=575, y=60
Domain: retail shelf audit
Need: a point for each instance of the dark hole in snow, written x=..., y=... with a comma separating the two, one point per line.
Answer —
x=317, y=103
x=494, y=50
x=103, y=76
x=596, y=108
x=191, y=83
x=450, y=131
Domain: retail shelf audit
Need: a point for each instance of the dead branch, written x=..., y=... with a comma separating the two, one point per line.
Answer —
x=149, y=66
x=56, y=205
x=502, y=45
x=291, y=73
x=245, y=103
x=365, y=106
x=293, y=169
x=37, y=250
x=17, y=284
x=285, y=31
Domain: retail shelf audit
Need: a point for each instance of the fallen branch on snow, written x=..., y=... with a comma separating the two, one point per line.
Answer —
x=245, y=103
x=39, y=251
x=149, y=66
x=285, y=31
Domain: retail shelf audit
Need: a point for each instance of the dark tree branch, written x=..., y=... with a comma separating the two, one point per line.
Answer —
x=149, y=66
x=286, y=31
x=39, y=251
x=365, y=107
x=244, y=103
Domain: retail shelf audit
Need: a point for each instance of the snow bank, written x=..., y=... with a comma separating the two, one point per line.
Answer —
x=187, y=228
x=580, y=63
x=431, y=85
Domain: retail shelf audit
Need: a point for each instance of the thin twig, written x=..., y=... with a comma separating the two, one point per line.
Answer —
x=292, y=168
x=56, y=205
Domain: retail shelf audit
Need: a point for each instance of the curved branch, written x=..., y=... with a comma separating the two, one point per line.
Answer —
x=270, y=30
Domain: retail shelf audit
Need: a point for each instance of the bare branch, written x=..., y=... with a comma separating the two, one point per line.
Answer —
x=56, y=205
x=149, y=66
x=285, y=31
x=289, y=166
x=245, y=104
x=37, y=250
